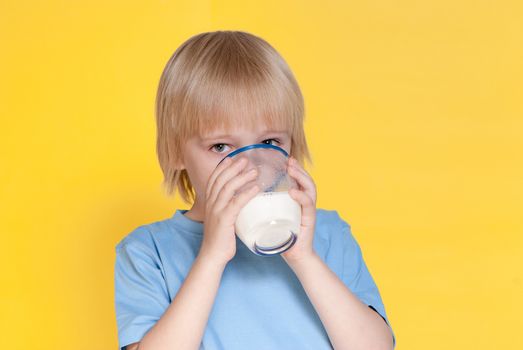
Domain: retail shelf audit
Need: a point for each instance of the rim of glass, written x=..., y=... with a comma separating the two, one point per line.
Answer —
x=256, y=145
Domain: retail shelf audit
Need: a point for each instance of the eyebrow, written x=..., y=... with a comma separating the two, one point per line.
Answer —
x=215, y=137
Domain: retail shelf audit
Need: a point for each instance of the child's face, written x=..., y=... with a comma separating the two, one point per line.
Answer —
x=203, y=152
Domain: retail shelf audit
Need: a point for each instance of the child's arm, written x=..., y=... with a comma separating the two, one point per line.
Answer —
x=183, y=323
x=349, y=323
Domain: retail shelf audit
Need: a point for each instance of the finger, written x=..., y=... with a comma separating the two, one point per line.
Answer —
x=304, y=180
x=307, y=205
x=229, y=189
x=293, y=163
x=216, y=172
x=225, y=176
x=238, y=202
x=226, y=164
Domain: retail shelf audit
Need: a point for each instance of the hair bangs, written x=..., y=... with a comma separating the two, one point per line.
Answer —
x=234, y=105
x=238, y=88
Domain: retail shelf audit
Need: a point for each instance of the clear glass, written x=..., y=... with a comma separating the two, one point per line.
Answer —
x=269, y=223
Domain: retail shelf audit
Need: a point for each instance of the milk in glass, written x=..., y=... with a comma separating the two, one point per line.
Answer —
x=268, y=219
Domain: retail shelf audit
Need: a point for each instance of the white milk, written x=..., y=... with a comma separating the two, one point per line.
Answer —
x=268, y=219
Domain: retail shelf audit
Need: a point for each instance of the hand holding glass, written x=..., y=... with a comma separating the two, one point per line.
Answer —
x=269, y=223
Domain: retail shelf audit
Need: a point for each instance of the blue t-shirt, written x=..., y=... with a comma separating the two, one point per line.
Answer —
x=260, y=303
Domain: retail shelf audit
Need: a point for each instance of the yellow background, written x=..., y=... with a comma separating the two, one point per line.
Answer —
x=414, y=119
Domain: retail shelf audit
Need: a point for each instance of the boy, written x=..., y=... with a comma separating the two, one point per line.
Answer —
x=188, y=282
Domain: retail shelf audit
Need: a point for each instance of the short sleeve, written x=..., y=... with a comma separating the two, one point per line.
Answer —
x=141, y=295
x=356, y=275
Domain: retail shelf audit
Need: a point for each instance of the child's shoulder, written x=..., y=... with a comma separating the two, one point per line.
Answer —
x=333, y=233
x=329, y=217
x=331, y=226
x=145, y=234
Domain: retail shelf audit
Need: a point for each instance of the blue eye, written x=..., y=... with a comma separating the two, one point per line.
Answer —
x=218, y=144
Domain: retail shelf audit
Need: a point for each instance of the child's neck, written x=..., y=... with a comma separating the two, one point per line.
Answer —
x=195, y=214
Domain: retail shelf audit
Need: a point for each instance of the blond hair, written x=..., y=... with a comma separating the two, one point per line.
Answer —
x=218, y=80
